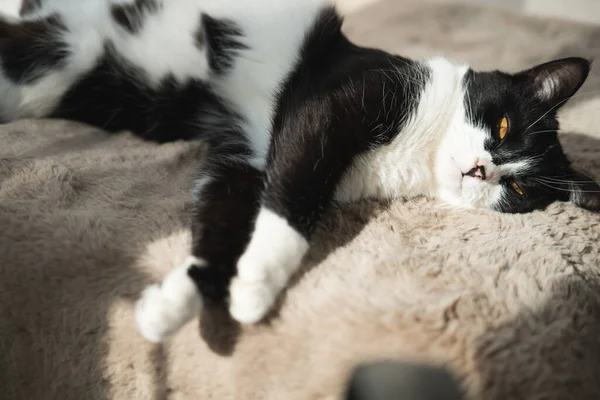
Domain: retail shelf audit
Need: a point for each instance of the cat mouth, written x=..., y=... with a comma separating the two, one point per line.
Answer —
x=477, y=172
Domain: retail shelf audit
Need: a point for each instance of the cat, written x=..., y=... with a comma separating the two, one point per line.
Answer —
x=296, y=117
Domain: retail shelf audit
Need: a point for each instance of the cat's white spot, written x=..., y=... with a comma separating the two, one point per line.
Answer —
x=165, y=45
x=85, y=35
x=10, y=8
x=405, y=167
x=163, y=309
x=273, y=30
x=435, y=147
x=462, y=145
x=273, y=255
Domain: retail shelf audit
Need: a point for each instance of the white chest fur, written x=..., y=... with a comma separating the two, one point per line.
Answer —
x=406, y=166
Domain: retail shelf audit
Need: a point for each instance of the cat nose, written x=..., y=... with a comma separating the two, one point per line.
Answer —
x=478, y=171
x=481, y=163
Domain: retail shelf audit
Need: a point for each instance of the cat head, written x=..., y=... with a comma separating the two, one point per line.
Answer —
x=504, y=152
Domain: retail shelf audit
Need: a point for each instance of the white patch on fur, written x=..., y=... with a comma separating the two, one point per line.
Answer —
x=435, y=147
x=274, y=254
x=462, y=146
x=10, y=8
x=87, y=26
x=404, y=168
x=165, y=45
x=163, y=309
x=273, y=32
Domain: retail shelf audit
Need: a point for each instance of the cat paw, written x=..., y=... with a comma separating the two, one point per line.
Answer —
x=251, y=300
x=163, y=309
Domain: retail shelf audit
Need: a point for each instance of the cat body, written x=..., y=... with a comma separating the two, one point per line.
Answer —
x=295, y=116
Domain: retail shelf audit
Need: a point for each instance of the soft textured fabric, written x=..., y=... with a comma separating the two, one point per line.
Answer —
x=510, y=302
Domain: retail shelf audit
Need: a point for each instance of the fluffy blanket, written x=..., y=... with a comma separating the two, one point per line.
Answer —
x=510, y=302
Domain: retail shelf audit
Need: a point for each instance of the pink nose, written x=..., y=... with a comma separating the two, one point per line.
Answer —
x=481, y=163
x=478, y=171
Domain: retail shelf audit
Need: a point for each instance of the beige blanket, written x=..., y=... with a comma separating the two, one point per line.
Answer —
x=510, y=302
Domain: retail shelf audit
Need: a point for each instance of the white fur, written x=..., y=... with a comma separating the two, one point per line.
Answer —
x=436, y=144
x=87, y=31
x=274, y=254
x=273, y=32
x=403, y=168
x=435, y=147
x=164, y=47
x=163, y=309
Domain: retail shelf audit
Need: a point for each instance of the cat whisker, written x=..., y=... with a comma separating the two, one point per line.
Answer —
x=405, y=62
x=549, y=179
x=557, y=105
x=564, y=189
x=469, y=110
x=545, y=131
x=399, y=74
x=383, y=71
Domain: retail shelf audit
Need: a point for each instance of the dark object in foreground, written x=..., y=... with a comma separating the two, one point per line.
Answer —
x=405, y=381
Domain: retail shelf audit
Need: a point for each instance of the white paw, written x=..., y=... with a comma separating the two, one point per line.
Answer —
x=265, y=267
x=251, y=300
x=163, y=309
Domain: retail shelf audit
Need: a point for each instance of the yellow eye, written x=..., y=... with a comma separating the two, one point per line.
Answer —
x=516, y=188
x=502, y=127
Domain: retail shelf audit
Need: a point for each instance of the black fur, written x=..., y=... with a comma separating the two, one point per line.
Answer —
x=533, y=130
x=31, y=48
x=338, y=102
x=131, y=16
x=223, y=39
x=222, y=222
x=116, y=97
x=330, y=110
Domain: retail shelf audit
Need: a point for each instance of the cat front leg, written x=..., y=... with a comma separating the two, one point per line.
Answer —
x=274, y=254
x=308, y=158
x=226, y=200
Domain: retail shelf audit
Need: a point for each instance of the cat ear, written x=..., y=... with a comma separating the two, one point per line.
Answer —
x=556, y=81
x=584, y=192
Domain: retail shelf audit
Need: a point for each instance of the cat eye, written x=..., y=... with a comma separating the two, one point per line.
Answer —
x=516, y=188
x=502, y=128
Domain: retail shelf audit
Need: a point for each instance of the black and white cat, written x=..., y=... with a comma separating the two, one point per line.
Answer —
x=296, y=117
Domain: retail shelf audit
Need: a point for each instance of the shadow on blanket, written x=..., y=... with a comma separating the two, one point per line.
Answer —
x=77, y=208
x=71, y=237
x=221, y=332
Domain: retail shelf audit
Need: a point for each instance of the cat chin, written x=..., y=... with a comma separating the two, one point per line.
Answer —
x=450, y=197
x=468, y=193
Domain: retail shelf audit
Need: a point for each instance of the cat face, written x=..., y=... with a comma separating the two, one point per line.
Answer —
x=502, y=151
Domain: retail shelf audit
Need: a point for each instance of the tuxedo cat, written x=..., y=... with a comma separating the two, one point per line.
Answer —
x=296, y=117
